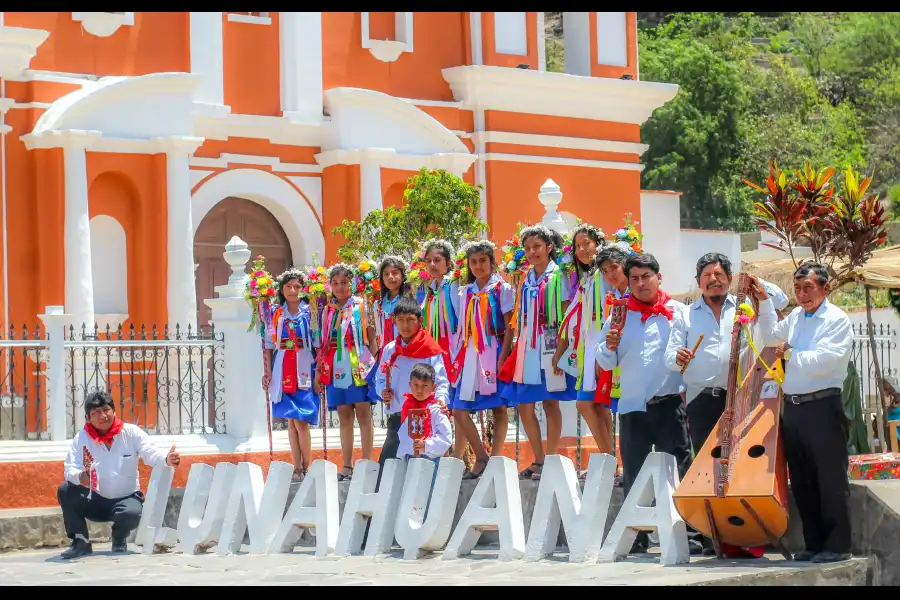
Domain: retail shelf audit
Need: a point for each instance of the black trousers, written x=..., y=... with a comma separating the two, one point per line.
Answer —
x=815, y=445
x=124, y=513
x=663, y=428
x=391, y=440
x=703, y=412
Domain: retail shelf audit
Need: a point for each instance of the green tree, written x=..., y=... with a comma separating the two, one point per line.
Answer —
x=436, y=204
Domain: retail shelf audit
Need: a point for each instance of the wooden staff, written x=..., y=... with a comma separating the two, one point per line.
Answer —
x=268, y=400
x=694, y=351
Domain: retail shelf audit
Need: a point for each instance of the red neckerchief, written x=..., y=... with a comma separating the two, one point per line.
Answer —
x=410, y=402
x=105, y=438
x=421, y=346
x=648, y=310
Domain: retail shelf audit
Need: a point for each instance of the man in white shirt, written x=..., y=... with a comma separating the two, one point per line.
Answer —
x=651, y=411
x=102, y=476
x=815, y=341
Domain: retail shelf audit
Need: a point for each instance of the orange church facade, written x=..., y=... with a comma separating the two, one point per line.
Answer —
x=136, y=144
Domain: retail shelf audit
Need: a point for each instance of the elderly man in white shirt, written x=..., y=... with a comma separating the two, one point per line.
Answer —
x=101, y=473
x=815, y=341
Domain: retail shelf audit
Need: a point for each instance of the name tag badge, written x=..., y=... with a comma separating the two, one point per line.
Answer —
x=551, y=339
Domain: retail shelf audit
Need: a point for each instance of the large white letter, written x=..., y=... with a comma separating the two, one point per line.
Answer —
x=151, y=532
x=203, y=506
x=416, y=533
x=657, y=480
x=559, y=500
x=363, y=503
x=255, y=506
x=496, y=503
x=315, y=505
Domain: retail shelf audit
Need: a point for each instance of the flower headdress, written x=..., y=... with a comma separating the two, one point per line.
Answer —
x=366, y=281
x=260, y=292
x=461, y=272
x=627, y=238
x=418, y=275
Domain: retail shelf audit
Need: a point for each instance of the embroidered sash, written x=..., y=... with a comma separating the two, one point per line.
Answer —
x=346, y=357
x=482, y=319
x=539, y=306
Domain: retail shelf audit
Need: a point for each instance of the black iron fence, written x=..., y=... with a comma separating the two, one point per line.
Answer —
x=167, y=381
x=23, y=393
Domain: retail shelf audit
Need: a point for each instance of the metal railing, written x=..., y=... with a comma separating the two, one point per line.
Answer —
x=23, y=393
x=166, y=381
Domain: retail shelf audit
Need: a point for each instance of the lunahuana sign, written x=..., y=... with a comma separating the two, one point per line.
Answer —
x=221, y=505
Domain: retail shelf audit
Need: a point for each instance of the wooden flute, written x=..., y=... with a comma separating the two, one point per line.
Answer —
x=694, y=351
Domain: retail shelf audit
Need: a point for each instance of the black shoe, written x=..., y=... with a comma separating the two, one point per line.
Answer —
x=78, y=549
x=119, y=546
x=830, y=557
x=804, y=556
x=709, y=551
x=638, y=548
x=695, y=547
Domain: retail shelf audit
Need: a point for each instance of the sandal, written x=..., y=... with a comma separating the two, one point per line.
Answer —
x=469, y=475
x=348, y=476
x=530, y=473
x=583, y=475
x=298, y=476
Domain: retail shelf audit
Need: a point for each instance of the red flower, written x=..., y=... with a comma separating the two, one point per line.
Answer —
x=361, y=287
x=271, y=292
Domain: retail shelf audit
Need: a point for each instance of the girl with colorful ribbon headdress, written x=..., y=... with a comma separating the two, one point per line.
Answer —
x=290, y=351
x=541, y=303
x=485, y=306
x=345, y=361
x=580, y=331
x=390, y=286
x=440, y=294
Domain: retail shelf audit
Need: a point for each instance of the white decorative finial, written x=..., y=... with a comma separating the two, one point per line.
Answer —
x=551, y=197
x=237, y=254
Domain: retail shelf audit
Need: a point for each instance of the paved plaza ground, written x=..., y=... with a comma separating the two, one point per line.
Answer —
x=43, y=567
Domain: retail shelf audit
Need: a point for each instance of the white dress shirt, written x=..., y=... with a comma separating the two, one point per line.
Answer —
x=779, y=298
x=400, y=378
x=709, y=367
x=116, y=466
x=641, y=357
x=820, y=343
x=437, y=444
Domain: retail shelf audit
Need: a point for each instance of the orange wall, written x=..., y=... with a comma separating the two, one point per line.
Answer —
x=340, y=185
x=496, y=120
x=252, y=80
x=598, y=196
x=393, y=184
x=157, y=42
x=439, y=42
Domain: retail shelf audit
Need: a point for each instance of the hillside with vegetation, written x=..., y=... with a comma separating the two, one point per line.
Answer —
x=818, y=87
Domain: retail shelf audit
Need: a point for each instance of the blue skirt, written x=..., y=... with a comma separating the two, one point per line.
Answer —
x=583, y=396
x=370, y=379
x=352, y=395
x=481, y=401
x=302, y=405
x=525, y=393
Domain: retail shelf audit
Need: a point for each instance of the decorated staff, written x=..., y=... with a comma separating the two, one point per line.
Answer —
x=260, y=294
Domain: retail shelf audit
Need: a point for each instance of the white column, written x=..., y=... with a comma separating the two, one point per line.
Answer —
x=480, y=163
x=181, y=299
x=370, y=197
x=77, y=236
x=245, y=401
x=55, y=321
x=207, y=56
x=300, y=42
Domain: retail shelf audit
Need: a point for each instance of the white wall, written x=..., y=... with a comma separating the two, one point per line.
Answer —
x=695, y=243
x=890, y=363
x=511, y=33
x=577, y=37
x=109, y=266
x=660, y=223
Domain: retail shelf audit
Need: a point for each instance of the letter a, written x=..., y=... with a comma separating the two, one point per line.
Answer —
x=496, y=503
x=583, y=516
x=657, y=480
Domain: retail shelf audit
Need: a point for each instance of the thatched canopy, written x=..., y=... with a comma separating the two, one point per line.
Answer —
x=882, y=270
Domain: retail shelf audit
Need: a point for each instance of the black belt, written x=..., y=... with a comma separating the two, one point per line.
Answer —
x=658, y=399
x=804, y=398
x=715, y=392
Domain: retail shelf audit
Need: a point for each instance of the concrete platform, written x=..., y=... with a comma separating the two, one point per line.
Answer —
x=301, y=568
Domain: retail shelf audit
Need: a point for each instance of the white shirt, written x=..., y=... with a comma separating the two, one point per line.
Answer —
x=400, y=378
x=821, y=345
x=709, y=367
x=779, y=298
x=117, y=466
x=437, y=444
x=641, y=357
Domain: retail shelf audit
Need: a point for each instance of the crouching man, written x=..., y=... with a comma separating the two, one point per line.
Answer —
x=102, y=476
